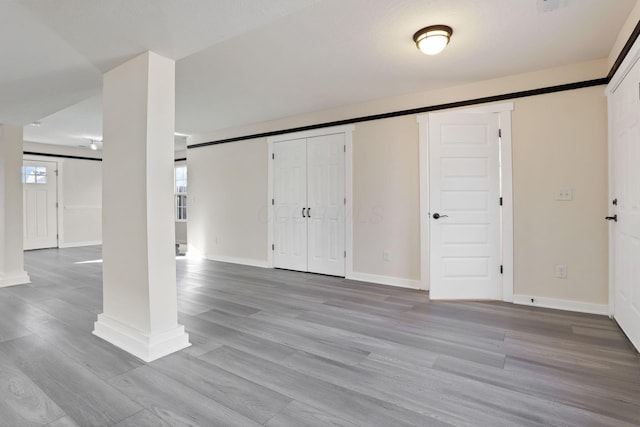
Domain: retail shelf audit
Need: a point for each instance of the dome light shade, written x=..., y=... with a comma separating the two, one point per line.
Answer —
x=433, y=39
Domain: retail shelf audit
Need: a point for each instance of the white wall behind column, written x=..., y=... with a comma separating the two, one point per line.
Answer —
x=11, y=240
x=81, y=203
x=227, y=202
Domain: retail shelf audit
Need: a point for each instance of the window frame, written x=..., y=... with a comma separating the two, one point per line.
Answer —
x=178, y=194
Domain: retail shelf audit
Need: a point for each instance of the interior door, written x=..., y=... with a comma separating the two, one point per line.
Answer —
x=326, y=213
x=290, y=205
x=625, y=140
x=39, y=204
x=464, y=205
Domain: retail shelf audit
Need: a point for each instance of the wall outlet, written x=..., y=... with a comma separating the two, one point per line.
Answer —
x=386, y=255
x=564, y=195
x=561, y=271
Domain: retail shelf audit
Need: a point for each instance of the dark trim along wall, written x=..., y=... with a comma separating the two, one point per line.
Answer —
x=64, y=156
x=495, y=98
x=551, y=89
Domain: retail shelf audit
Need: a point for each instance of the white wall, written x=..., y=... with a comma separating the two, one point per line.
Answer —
x=559, y=140
x=81, y=203
x=227, y=202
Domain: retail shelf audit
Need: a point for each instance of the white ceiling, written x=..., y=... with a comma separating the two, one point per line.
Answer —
x=244, y=61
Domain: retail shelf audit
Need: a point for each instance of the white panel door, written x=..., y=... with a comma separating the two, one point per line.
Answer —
x=40, y=221
x=625, y=135
x=326, y=202
x=290, y=205
x=464, y=194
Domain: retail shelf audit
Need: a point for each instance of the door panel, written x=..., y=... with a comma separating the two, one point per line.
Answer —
x=626, y=232
x=290, y=198
x=40, y=228
x=464, y=187
x=325, y=155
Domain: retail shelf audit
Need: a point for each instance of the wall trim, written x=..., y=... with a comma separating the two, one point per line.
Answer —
x=385, y=280
x=625, y=51
x=61, y=156
x=419, y=110
x=79, y=244
x=562, y=304
x=235, y=260
x=66, y=156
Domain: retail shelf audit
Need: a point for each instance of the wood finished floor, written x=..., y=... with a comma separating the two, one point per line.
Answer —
x=280, y=348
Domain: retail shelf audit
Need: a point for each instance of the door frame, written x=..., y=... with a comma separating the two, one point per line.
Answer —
x=59, y=196
x=625, y=67
x=506, y=181
x=347, y=130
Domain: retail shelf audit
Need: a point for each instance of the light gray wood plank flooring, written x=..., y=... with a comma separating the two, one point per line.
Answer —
x=282, y=348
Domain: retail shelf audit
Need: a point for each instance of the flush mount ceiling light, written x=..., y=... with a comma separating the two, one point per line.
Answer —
x=433, y=39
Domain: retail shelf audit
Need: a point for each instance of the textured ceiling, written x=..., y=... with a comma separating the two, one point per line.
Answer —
x=243, y=61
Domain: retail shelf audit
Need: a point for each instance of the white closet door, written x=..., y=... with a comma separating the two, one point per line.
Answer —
x=464, y=188
x=290, y=203
x=625, y=140
x=326, y=214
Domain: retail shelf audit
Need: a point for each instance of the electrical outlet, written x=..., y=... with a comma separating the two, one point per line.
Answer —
x=564, y=194
x=561, y=271
x=386, y=255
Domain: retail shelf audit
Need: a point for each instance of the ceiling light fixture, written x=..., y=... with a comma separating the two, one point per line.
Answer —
x=433, y=39
x=93, y=145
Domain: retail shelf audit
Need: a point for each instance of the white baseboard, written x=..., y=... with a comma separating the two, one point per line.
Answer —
x=562, y=304
x=385, y=280
x=144, y=346
x=14, y=279
x=234, y=260
x=62, y=245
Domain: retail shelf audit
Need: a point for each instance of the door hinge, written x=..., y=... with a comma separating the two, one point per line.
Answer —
x=273, y=202
x=345, y=200
x=56, y=172
x=273, y=156
x=273, y=247
x=345, y=148
x=345, y=254
x=500, y=201
x=56, y=205
x=499, y=133
x=501, y=269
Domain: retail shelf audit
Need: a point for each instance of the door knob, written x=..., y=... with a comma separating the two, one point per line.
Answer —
x=437, y=215
x=612, y=218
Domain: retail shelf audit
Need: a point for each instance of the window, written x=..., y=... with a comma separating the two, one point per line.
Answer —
x=34, y=175
x=181, y=192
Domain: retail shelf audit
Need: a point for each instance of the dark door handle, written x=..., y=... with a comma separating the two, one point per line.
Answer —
x=612, y=218
x=308, y=212
x=437, y=215
x=303, y=213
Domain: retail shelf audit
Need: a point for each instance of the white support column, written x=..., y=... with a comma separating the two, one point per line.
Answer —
x=11, y=252
x=138, y=241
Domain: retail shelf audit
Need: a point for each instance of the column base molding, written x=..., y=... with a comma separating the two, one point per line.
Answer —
x=144, y=346
x=14, y=279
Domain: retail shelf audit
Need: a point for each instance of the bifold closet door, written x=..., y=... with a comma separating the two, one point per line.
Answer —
x=326, y=201
x=290, y=203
